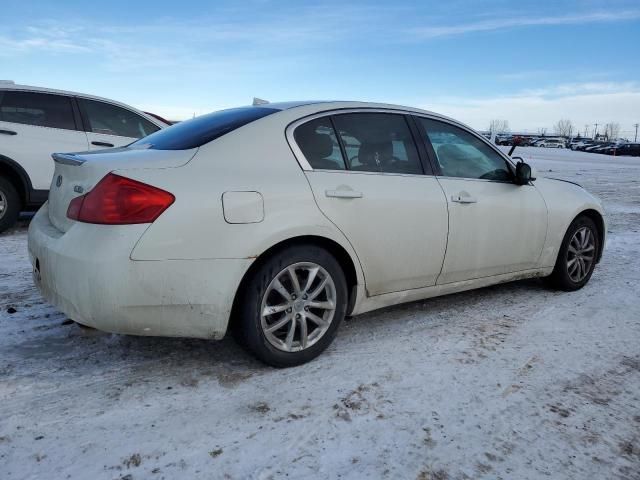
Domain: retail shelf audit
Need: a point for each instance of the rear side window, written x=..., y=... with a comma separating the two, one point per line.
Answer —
x=37, y=109
x=378, y=142
x=319, y=144
x=200, y=130
x=110, y=119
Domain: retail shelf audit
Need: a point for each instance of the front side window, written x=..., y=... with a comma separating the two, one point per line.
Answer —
x=317, y=141
x=113, y=120
x=462, y=154
x=37, y=109
x=378, y=142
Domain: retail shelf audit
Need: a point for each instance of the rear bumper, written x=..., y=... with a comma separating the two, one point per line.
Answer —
x=88, y=274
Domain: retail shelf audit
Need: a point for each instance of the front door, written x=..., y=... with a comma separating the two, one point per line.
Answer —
x=495, y=226
x=369, y=182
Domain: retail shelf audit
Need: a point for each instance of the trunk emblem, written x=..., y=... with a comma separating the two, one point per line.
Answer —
x=59, y=181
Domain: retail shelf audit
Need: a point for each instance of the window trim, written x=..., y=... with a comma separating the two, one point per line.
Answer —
x=306, y=166
x=86, y=124
x=434, y=159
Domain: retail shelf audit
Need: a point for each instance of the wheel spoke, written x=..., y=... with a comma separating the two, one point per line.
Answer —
x=278, y=287
x=292, y=332
x=313, y=272
x=580, y=268
x=303, y=332
x=271, y=309
x=318, y=289
x=586, y=238
x=294, y=280
x=571, y=262
x=575, y=242
x=321, y=322
x=326, y=305
x=279, y=324
x=572, y=250
x=572, y=269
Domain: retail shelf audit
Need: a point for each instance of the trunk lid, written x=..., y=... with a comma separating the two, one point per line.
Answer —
x=77, y=173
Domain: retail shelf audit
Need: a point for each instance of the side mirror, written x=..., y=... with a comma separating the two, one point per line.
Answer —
x=524, y=173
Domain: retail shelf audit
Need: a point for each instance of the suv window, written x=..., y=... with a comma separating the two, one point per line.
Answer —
x=113, y=120
x=38, y=109
x=319, y=144
x=462, y=154
x=378, y=142
x=204, y=129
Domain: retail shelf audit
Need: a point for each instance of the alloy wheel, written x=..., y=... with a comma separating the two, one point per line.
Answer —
x=581, y=254
x=3, y=204
x=298, y=307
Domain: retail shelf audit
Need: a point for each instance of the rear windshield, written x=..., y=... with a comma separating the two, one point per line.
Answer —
x=200, y=130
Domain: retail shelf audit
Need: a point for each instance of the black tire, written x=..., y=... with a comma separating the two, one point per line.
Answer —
x=248, y=329
x=13, y=205
x=560, y=278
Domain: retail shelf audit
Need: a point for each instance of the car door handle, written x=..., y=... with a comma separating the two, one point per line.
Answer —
x=463, y=199
x=102, y=144
x=343, y=194
x=8, y=132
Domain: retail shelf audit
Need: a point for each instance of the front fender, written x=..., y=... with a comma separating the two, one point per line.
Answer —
x=565, y=201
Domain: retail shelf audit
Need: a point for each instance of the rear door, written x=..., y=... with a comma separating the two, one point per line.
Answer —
x=368, y=179
x=495, y=226
x=110, y=125
x=33, y=125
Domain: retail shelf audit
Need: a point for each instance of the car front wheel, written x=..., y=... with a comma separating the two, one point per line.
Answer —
x=9, y=204
x=290, y=310
x=577, y=256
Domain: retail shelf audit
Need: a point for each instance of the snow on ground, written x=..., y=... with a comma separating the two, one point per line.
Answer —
x=514, y=381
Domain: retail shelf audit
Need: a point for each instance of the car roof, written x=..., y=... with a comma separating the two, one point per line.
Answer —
x=318, y=106
x=7, y=85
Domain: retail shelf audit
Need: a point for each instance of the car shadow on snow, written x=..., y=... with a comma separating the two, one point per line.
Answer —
x=71, y=348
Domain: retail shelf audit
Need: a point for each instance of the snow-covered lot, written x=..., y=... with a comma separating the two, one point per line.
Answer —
x=514, y=381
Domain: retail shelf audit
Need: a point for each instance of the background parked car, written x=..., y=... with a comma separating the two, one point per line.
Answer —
x=579, y=144
x=551, y=143
x=35, y=122
x=596, y=146
x=624, y=149
x=504, y=140
x=604, y=148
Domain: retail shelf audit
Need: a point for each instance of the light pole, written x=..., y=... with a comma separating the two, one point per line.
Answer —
x=595, y=131
x=636, y=139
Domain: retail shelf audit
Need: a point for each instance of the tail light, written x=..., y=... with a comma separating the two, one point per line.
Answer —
x=117, y=200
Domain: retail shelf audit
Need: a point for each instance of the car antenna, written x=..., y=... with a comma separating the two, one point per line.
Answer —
x=259, y=101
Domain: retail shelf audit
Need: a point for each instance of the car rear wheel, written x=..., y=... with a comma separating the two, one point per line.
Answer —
x=9, y=204
x=577, y=256
x=292, y=306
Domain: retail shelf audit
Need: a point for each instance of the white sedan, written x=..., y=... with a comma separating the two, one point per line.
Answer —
x=277, y=220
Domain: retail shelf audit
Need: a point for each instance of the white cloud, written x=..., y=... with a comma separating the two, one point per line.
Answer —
x=14, y=46
x=583, y=104
x=528, y=21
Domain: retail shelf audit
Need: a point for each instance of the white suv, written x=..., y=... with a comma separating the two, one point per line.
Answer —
x=35, y=122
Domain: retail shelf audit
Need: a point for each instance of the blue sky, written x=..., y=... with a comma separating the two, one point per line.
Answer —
x=529, y=62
